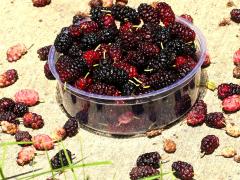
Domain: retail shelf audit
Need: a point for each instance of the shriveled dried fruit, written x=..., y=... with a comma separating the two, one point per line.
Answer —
x=169, y=146
x=43, y=142
x=232, y=130
x=59, y=134
x=33, y=120
x=40, y=3
x=26, y=155
x=237, y=158
x=154, y=133
x=236, y=72
x=15, y=52
x=228, y=152
x=29, y=97
x=8, y=78
x=9, y=128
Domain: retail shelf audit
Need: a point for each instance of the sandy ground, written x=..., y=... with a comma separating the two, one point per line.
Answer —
x=21, y=22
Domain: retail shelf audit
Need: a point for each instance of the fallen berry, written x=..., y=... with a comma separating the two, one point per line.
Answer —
x=26, y=155
x=197, y=114
x=58, y=134
x=187, y=17
x=142, y=171
x=236, y=72
x=15, y=52
x=40, y=3
x=9, y=128
x=228, y=89
x=43, y=52
x=6, y=104
x=61, y=159
x=33, y=120
x=43, y=142
x=8, y=78
x=169, y=146
x=183, y=170
x=228, y=152
x=232, y=130
x=23, y=136
x=235, y=15
x=9, y=117
x=237, y=158
x=29, y=97
x=209, y=143
x=71, y=127
x=20, y=109
x=236, y=58
x=149, y=159
x=207, y=61
x=231, y=103
x=215, y=120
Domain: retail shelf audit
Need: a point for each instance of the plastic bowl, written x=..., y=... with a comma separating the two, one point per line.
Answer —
x=127, y=115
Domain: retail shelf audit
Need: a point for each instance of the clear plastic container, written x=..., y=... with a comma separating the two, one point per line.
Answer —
x=127, y=115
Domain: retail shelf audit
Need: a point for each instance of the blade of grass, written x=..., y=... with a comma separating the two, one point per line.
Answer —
x=14, y=143
x=2, y=161
x=49, y=161
x=58, y=145
x=67, y=168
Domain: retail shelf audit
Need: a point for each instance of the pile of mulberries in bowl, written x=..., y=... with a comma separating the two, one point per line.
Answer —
x=122, y=51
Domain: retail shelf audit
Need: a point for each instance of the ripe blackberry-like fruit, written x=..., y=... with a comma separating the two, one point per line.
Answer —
x=183, y=70
x=235, y=15
x=63, y=42
x=43, y=52
x=20, y=109
x=71, y=127
x=149, y=159
x=110, y=75
x=128, y=40
x=88, y=27
x=90, y=41
x=9, y=117
x=75, y=51
x=107, y=35
x=61, y=159
x=23, y=136
x=215, y=120
x=148, y=14
x=33, y=120
x=187, y=17
x=162, y=35
x=197, y=114
x=142, y=171
x=228, y=89
x=128, y=89
x=91, y=57
x=183, y=170
x=83, y=82
x=125, y=13
x=115, y=52
x=162, y=79
x=131, y=70
x=136, y=59
x=77, y=18
x=181, y=31
x=107, y=21
x=179, y=47
x=166, y=13
x=209, y=144
x=70, y=69
x=97, y=13
x=145, y=35
x=103, y=89
x=6, y=104
x=8, y=78
x=149, y=49
x=47, y=72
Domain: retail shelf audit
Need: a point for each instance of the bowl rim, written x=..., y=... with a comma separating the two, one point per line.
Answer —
x=163, y=91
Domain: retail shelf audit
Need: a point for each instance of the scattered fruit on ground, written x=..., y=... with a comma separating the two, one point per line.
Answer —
x=236, y=72
x=215, y=120
x=6, y=104
x=209, y=143
x=236, y=58
x=149, y=159
x=15, y=52
x=23, y=136
x=43, y=142
x=20, y=109
x=71, y=127
x=29, y=97
x=40, y=3
x=26, y=155
x=227, y=89
x=58, y=134
x=43, y=52
x=169, y=146
x=142, y=171
x=61, y=159
x=33, y=120
x=9, y=128
x=197, y=114
x=183, y=170
x=231, y=103
x=228, y=152
x=9, y=117
x=8, y=78
x=232, y=130
x=235, y=15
